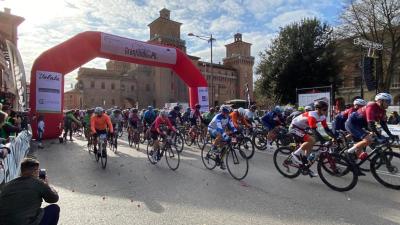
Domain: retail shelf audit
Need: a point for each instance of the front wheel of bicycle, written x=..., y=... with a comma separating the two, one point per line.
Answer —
x=385, y=167
x=283, y=163
x=150, y=153
x=103, y=157
x=337, y=172
x=247, y=146
x=208, y=157
x=237, y=163
x=172, y=157
x=179, y=142
x=260, y=141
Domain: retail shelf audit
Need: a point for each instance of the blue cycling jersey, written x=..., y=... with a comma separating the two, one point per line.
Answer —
x=270, y=119
x=220, y=122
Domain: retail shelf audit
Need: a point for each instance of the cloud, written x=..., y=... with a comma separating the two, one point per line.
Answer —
x=261, y=8
x=290, y=17
x=225, y=24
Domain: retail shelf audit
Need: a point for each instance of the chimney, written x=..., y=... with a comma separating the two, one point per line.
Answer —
x=165, y=13
x=7, y=10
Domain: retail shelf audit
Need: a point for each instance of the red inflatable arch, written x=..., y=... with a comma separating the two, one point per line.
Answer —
x=47, y=75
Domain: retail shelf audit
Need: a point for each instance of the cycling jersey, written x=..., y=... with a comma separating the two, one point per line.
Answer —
x=68, y=119
x=271, y=119
x=309, y=120
x=185, y=116
x=249, y=116
x=194, y=116
x=155, y=127
x=100, y=123
x=173, y=115
x=238, y=120
x=116, y=119
x=207, y=117
x=340, y=120
x=220, y=122
x=149, y=116
x=134, y=120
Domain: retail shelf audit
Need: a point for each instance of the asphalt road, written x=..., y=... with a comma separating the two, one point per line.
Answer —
x=133, y=191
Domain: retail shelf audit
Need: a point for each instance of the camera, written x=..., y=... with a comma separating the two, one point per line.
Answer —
x=42, y=174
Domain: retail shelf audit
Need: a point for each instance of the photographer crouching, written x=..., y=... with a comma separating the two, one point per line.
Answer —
x=21, y=198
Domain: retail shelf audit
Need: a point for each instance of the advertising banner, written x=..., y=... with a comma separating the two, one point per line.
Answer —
x=203, y=98
x=136, y=49
x=48, y=91
x=309, y=99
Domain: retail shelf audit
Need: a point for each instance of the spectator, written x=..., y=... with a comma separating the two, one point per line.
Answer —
x=40, y=130
x=3, y=153
x=394, y=118
x=7, y=129
x=21, y=198
x=3, y=118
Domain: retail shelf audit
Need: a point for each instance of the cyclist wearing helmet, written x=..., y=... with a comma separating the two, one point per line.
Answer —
x=365, y=118
x=86, y=122
x=340, y=120
x=217, y=128
x=149, y=116
x=133, y=119
x=294, y=114
x=271, y=121
x=99, y=123
x=208, y=116
x=250, y=116
x=195, y=115
x=175, y=114
x=156, y=130
x=237, y=117
x=305, y=121
x=186, y=115
x=116, y=119
x=308, y=108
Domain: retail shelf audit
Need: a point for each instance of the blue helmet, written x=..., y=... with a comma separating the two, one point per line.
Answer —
x=277, y=109
x=225, y=109
x=150, y=107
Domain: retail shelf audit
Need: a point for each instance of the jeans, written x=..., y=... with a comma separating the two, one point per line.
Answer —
x=51, y=215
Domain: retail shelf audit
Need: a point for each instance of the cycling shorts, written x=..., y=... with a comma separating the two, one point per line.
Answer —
x=98, y=132
x=299, y=134
x=356, y=131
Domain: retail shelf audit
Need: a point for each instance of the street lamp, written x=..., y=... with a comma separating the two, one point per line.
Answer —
x=210, y=40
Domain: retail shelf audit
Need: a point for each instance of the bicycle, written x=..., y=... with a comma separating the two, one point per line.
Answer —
x=244, y=143
x=113, y=141
x=336, y=165
x=235, y=159
x=101, y=150
x=178, y=141
x=172, y=155
x=134, y=137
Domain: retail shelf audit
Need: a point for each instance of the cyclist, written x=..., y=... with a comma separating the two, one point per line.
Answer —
x=366, y=117
x=116, y=119
x=208, y=116
x=149, y=116
x=217, y=128
x=237, y=117
x=134, y=122
x=195, y=115
x=250, y=116
x=305, y=121
x=294, y=114
x=68, y=120
x=186, y=115
x=340, y=120
x=99, y=123
x=175, y=114
x=156, y=130
x=272, y=120
x=86, y=122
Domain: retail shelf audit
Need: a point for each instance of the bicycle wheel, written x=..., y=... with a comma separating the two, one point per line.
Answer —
x=142, y=137
x=237, y=163
x=130, y=140
x=208, y=157
x=115, y=144
x=283, y=163
x=247, y=146
x=103, y=157
x=337, y=172
x=120, y=133
x=96, y=155
x=385, y=169
x=260, y=141
x=172, y=157
x=179, y=142
x=188, y=139
x=150, y=153
x=136, y=140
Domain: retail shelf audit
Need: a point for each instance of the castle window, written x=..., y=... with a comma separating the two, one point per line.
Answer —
x=122, y=87
x=92, y=84
x=112, y=86
x=147, y=87
x=103, y=85
x=132, y=88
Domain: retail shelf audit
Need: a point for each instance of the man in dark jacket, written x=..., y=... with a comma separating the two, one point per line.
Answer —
x=21, y=198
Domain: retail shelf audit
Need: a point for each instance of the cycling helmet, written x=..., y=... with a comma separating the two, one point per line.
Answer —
x=225, y=109
x=278, y=109
x=360, y=102
x=133, y=110
x=241, y=111
x=253, y=107
x=177, y=108
x=212, y=109
x=300, y=108
x=384, y=96
x=163, y=113
x=116, y=111
x=308, y=108
x=197, y=106
x=320, y=104
x=188, y=109
x=98, y=110
x=150, y=107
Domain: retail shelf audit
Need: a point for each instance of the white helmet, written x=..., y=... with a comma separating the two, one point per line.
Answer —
x=308, y=108
x=360, y=102
x=241, y=111
x=98, y=110
x=384, y=96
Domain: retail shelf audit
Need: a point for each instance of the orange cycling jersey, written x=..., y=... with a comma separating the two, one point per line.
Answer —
x=236, y=118
x=100, y=123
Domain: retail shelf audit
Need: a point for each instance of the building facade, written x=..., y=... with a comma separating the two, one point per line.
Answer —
x=125, y=84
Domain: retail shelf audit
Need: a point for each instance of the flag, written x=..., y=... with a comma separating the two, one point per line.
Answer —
x=248, y=94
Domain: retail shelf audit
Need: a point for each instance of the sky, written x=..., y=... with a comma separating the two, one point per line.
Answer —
x=50, y=22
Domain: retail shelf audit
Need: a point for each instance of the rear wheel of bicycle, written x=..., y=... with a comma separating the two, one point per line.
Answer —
x=283, y=163
x=178, y=142
x=172, y=157
x=115, y=144
x=247, y=146
x=208, y=157
x=385, y=167
x=136, y=140
x=150, y=153
x=120, y=133
x=188, y=139
x=130, y=140
x=142, y=137
x=337, y=172
x=237, y=163
x=260, y=141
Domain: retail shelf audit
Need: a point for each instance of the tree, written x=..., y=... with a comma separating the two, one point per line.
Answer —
x=377, y=21
x=303, y=55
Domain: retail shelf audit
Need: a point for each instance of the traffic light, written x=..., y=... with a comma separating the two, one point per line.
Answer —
x=368, y=73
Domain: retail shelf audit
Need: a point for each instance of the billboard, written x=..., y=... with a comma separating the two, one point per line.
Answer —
x=48, y=91
x=203, y=98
